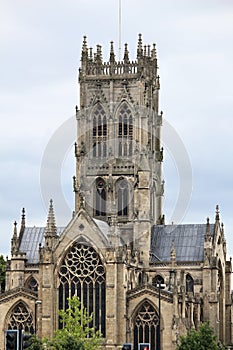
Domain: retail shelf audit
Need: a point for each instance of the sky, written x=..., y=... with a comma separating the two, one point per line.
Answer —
x=40, y=45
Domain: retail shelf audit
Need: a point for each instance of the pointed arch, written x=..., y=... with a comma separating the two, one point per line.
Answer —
x=122, y=191
x=100, y=197
x=125, y=129
x=189, y=284
x=20, y=317
x=82, y=273
x=145, y=322
x=99, y=131
x=32, y=284
x=158, y=279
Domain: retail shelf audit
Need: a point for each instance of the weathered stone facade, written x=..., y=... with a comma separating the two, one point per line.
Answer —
x=116, y=251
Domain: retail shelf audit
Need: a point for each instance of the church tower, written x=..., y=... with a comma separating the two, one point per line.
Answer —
x=118, y=152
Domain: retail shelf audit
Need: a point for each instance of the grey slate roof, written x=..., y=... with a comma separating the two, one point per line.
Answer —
x=32, y=237
x=188, y=241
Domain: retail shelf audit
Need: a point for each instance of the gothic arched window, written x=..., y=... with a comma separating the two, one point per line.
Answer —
x=32, y=284
x=145, y=325
x=82, y=274
x=21, y=318
x=125, y=131
x=99, y=132
x=123, y=197
x=189, y=283
x=157, y=280
x=100, y=198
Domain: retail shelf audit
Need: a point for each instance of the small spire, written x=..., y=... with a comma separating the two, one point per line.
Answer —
x=139, y=49
x=217, y=213
x=126, y=54
x=112, y=54
x=148, y=50
x=51, y=229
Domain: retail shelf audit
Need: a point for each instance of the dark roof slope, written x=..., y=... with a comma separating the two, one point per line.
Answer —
x=188, y=241
x=31, y=238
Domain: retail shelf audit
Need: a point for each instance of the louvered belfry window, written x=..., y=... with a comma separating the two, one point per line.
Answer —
x=82, y=274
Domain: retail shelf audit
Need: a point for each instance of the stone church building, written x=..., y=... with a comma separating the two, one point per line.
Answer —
x=143, y=280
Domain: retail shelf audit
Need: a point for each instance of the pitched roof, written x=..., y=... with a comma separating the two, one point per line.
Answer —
x=32, y=237
x=188, y=242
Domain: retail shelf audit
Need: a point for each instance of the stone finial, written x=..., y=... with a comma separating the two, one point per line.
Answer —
x=84, y=49
x=51, y=229
x=126, y=54
x=98, y=54
x=144, y=53
x=112, y=54
x=139, y=49
x=207, y=235
x=173, y=253
x=91, y=54
x=23, y=220
x=217, y=213
x=15, y=230
x=153, y=52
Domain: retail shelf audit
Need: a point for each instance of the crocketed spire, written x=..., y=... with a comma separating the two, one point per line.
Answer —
x=51, y=229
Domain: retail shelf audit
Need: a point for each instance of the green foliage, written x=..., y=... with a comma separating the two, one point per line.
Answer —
x=36, y=343
x=76, y=333
x=2, y=273
x=201, y=339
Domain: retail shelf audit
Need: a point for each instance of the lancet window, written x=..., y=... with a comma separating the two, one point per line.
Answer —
x=125, y=131
x=145, y=326
x=100, y=198
x=82, y=274
x=123, y=197
x=189, y=284
x=21, y=318
x=99, y=132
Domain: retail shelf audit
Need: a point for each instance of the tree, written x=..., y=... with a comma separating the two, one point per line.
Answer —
x=201, y=339
x=77, y=333
x=2, y=273
x=35, y=343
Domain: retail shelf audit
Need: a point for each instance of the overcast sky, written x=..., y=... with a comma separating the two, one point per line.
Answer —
x=40, y=44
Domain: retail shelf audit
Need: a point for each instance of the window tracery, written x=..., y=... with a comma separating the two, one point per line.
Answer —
x=145, y=325
x=99, y=132
x=32, y=284
x=82, y=274
x=21, y=318
x=125, y=131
